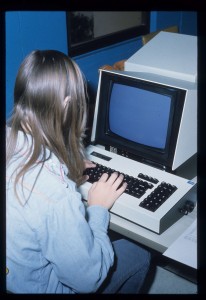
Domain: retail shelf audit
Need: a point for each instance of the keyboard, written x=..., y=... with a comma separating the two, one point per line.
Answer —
x=137, y=187
x=154, y=199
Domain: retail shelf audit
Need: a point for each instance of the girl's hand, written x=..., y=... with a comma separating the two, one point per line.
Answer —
x=89, y=164
x=105, y=191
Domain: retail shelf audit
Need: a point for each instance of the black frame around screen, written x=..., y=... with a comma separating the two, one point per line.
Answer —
x=141, y=152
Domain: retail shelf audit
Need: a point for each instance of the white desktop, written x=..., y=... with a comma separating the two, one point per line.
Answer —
x=168, y=61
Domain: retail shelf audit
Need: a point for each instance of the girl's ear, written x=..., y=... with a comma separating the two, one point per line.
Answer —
x=67, y=100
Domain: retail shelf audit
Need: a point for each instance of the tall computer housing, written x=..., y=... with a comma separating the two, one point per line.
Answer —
x=171, y=59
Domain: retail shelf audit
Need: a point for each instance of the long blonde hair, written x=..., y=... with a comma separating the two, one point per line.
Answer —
x=45, y=78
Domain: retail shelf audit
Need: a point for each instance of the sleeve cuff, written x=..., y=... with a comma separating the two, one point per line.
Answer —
x=98, y=216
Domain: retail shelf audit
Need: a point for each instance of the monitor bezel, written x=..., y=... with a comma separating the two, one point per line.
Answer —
x=128, y=148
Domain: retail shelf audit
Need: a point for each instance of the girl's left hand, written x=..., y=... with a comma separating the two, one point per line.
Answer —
x=89, y=164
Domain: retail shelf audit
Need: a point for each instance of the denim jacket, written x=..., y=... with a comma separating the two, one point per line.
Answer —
x=54, y=243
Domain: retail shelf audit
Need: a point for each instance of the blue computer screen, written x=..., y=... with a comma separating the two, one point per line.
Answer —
x=139, y=115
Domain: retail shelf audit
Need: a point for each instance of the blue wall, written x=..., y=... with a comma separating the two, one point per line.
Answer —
x=186, y=21
x=27, y=31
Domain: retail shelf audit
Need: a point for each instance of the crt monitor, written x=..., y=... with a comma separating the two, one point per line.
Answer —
x=149, y=118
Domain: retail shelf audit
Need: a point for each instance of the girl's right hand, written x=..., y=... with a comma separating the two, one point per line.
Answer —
x=105, y=191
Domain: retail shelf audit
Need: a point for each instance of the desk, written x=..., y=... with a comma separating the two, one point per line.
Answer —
x=150, y=239
x=162, y=242
x=157, y=242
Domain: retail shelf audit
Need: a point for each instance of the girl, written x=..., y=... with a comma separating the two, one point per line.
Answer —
x=54, y=243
